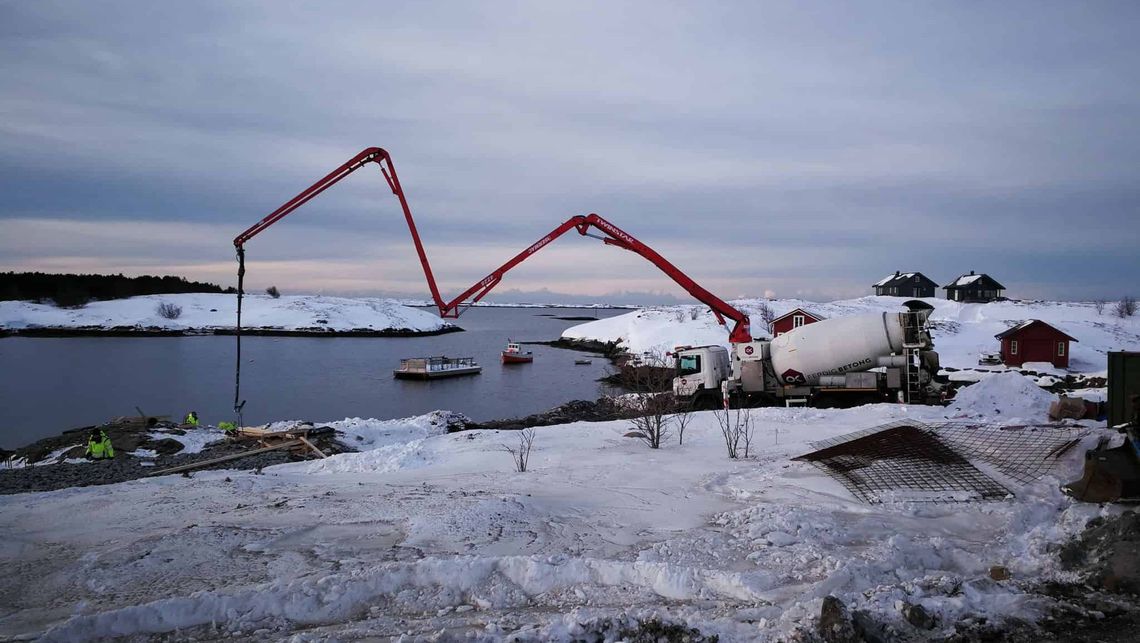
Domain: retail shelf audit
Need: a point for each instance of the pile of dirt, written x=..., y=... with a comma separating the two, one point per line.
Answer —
x=600, y=410
x=1102, y=606
x=122, y=468
x=1108, y=552
x=130, y=435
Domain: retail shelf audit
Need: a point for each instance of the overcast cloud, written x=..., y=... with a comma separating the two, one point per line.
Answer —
x=800, y=149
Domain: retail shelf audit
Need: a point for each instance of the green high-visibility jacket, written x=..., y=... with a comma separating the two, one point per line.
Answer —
x=191, y=419
x=99, y=449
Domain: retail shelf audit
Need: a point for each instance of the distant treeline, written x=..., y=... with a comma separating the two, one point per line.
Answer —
x=76, y=290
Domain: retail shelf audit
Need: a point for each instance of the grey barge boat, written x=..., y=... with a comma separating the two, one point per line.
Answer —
x=431, y=368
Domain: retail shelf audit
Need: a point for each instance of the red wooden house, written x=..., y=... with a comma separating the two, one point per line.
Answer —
x=791, y=320
x=1034, y=341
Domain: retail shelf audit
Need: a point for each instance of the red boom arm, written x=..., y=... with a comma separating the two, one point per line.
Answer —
x=741, y=330
x=371, y=155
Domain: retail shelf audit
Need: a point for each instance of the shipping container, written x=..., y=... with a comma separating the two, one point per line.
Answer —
x=1123, y=383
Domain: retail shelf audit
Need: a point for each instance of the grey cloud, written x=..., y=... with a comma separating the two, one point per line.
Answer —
x=802, y=149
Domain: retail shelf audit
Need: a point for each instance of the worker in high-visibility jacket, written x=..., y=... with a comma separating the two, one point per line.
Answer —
x=99, y=446
x=191, y=419
x=229, y=428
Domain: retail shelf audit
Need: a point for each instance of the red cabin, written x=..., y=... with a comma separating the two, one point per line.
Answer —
x=791, y=320
x=1034, y=341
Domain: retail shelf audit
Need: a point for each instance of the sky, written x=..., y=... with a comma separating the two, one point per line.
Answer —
x=783, y=149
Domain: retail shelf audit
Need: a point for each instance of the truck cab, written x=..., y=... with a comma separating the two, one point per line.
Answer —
x=699, y=371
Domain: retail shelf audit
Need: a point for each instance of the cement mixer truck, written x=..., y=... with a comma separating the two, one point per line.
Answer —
x=834, y=362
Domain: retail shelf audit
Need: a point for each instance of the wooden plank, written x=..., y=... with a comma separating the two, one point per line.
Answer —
x=226, y=458
x=257, y=432
x=312, y=446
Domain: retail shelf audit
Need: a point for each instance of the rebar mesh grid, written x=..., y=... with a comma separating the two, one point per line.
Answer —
x=903, y=462
x=917, y=462
x=1025, y=453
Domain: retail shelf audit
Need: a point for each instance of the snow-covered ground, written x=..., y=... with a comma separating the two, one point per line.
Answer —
x=435, y=536
x=961, y=331
x=207, y=311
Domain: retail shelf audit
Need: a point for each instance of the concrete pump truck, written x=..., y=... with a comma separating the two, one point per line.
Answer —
x=886, y=356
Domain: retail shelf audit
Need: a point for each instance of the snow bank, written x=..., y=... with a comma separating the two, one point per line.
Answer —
x=192, y=440
x=961, y=331
x=1009, y=396
x=209, y=311
x=428, y=531
x=385, y=445
x=654, y=330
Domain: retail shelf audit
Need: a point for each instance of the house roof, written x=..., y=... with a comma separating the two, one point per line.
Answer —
x=1014, y=330
x=972, y=280
x=800, y=311
x=900, y=277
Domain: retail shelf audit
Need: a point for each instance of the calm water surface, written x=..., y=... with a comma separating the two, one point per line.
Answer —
x=51, y=384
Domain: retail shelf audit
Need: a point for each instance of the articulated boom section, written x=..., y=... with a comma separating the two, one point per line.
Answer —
x=615, y=236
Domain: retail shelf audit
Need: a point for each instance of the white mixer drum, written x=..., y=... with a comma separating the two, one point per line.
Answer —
x=836, y=346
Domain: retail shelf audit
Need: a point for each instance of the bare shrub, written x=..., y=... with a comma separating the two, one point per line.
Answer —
x=682, y=415
x=746, y=428
x=273, y=292
x=737, y=430
x=1126, y=307
x=651, y=403
x=1099, y=305
x=521, y=455
x=167, y=310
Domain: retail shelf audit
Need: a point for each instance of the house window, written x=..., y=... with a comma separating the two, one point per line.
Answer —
x=1060, y=349
x=1013, y=347
x=797, y=321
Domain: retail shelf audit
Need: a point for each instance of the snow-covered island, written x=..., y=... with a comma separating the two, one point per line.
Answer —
x=208, y=313
x=961, y=331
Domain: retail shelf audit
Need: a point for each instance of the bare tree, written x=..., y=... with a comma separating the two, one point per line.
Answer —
x=767, y=315
x=1099, y=305
x=1126, y=307
x=522, y=455
x=167, y=310
x=651, y=403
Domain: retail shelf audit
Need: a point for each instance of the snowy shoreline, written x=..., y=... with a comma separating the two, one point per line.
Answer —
x=215, y=314
x=961, y=332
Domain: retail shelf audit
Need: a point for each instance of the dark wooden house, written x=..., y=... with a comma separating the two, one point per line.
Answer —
x=1034, y=341
x=905, y=284
x=791, y=320
x=975, y=289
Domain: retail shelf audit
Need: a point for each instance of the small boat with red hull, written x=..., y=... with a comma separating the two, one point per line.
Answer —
x=514, y=354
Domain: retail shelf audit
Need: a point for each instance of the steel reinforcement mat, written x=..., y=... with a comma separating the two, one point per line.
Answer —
x=918, y=462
